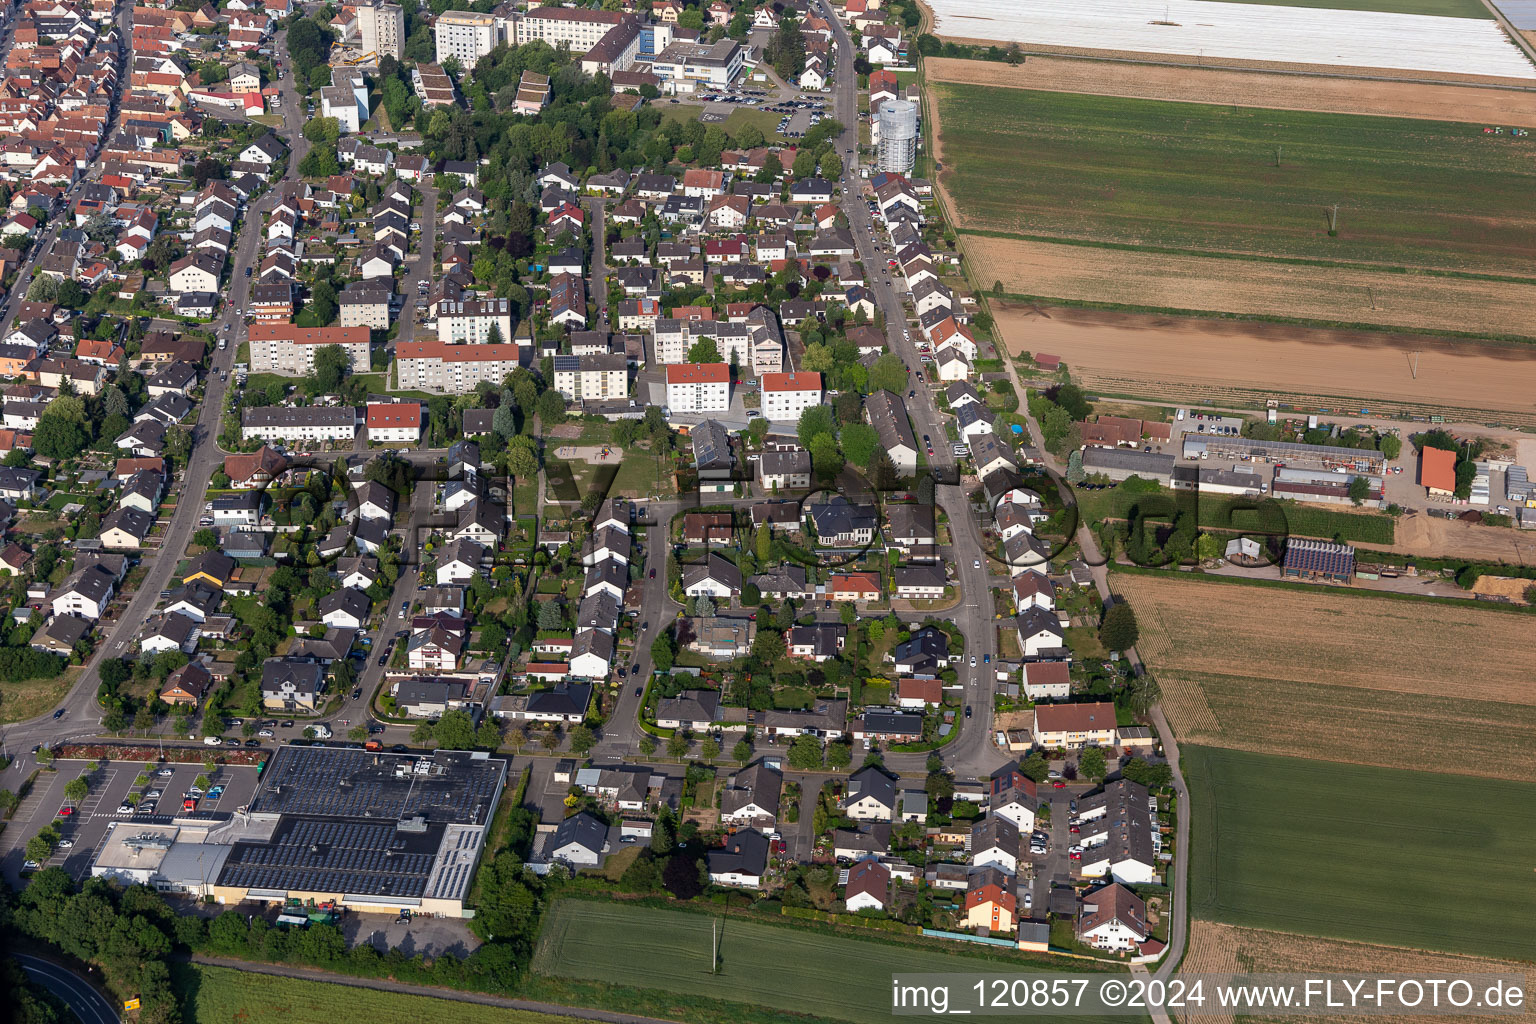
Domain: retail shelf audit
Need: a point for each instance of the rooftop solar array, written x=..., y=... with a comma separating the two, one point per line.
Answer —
x=316, y=855
x=347, y=783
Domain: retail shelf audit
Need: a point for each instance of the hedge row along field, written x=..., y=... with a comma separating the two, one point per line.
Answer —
x=1412, y=859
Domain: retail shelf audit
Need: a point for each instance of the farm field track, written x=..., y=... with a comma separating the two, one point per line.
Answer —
x=1244, y=362
x=1345, y=677
x=1359, y=853
x=1199, y=177
x=831, y=976
x=1216, y=948
x=221, y=995
x=1216, y=512
x=1434, y=102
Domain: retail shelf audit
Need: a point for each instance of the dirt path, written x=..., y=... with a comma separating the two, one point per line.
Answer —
x=1423, y=100
x=1243, y=363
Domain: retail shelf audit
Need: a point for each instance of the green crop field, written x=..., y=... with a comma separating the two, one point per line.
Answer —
x=1216, y=512
x=1204, y=178
x=219, y=995
x=1439, y=8
x=762, y=965
x=1347, y=851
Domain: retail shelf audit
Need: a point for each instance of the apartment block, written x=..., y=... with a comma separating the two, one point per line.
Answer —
x=465, y=35
x=699, y=387
x=290, y=350
x=787, y=395
x=382, y=29
x=469, y=322
x=592, y=377
x=453, y=369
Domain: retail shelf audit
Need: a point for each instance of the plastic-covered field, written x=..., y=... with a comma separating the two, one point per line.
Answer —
x=1243, y=31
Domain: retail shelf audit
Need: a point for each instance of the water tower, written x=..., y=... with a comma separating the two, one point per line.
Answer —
x=898, y=136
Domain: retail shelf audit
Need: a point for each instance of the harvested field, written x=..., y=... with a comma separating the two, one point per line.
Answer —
x=1339, y=676
x=1243, y=363
x=1426, y=101
x=1354, y=852
x=1216, y=948
x=1345, y=296
x=1442, y=538
x=1200, y=177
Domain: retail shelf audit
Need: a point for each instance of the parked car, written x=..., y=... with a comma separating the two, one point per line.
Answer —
x=265, y=734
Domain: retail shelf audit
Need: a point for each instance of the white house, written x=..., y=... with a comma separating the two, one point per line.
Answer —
x=1113, y=918
x=344, y=608
x=786, y=395
x=871, y=795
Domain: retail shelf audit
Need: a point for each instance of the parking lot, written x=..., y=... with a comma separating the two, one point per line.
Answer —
x=85, y=827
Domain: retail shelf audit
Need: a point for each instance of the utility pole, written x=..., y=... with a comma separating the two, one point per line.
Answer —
x=714, y=956
x=1333, y=220
x=1415, y=364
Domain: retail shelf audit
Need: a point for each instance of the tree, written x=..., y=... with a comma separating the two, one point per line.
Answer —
x=677, y=746
x=1390, y=446
x=647, y=745
x=1359, y=489
x=831, y=166
x=860, y=442
x=709, y=749
x=323, y=306
x=681, y=877
x=839, y=755
x=1092, y=764
x=664, y=651
x=455, y=731
x=40, y=847
x=741, y=753
x=805, y=753
x=205, y=538
x=1118, y=631
x=551, y=408
x=815, y=420
x=826, y=460
x=704, y=351
x=71, y=294
x=581, y=740
x=76, y=790
x=888, y=373
x=523, y=457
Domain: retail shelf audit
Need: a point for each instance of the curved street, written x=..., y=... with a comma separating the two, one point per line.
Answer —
x=89, y=1005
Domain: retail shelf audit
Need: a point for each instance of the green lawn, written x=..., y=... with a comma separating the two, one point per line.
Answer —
x=766, y=121
x=764, y=966
x=1355, y=852
x=1439, y=8
x=1217, y=512
x=219, y=995
x=1204, y=178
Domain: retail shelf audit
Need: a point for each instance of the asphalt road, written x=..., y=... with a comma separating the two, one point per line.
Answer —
x=973, y=753
x=89, y=1005
x=82, y=714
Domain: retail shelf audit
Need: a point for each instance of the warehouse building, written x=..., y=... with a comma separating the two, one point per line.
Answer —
x=1122, y=464
x=375, y=832
x=1287, y=453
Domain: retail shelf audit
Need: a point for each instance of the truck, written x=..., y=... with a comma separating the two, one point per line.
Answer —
x=223, y=344
x=322, y=732
x=373, y=745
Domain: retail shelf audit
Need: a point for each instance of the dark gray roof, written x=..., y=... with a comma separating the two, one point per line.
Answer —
x=873, y=782
x=306, y=676
x=580, y=829
x=563, y=699
x=347, y=599
x=745, y=852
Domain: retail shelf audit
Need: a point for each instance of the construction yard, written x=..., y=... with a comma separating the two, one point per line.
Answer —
x=1340, y=676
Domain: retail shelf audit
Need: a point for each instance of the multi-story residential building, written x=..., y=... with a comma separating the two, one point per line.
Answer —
x=699, y=387
x=592, y=377
x=455, y=369
x=290, y=350
x=394, y=421
x=464, y=35
x=787, y=395
x=578, y=29
x=365, y=304
x=306, y=423
x=470, y=321
x=381, y=27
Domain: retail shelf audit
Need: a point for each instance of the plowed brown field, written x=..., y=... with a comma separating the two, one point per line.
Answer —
x=1507, y=107
x=1252, y=287
x=1218, y=948
x=1337, y=676
x=1193, y=359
